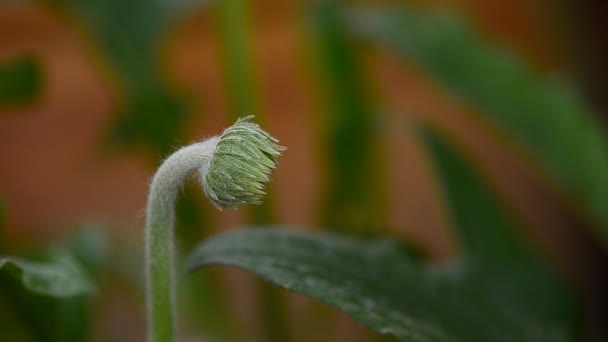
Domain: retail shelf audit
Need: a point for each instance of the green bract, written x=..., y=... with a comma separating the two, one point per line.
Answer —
x=242, y=162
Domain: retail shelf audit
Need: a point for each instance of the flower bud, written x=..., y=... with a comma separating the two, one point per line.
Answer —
x=242, y=162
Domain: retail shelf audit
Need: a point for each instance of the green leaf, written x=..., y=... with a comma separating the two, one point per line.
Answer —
x=89, y=246
x=61, y=276
x=378, y=284
x=50, y=294
x=19, y=80
x=545, y=118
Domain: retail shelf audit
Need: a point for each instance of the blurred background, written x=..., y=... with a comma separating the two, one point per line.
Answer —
x=94, y=93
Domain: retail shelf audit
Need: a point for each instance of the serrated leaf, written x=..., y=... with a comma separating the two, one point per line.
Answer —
x=377, y=284
x=548, y=120
x=19, y=80
x=61, y=276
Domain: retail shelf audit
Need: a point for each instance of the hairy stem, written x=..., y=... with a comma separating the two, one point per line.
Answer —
x=233, y=169
x=159, y=234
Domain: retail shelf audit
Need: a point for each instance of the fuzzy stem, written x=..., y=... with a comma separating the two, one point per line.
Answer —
x=159, y=235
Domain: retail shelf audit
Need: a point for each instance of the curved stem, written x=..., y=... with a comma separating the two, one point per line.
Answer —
x=159, y=235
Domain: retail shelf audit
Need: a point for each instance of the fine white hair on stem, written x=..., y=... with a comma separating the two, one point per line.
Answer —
x=233, y=169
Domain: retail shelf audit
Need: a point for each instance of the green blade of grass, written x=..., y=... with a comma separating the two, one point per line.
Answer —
x=233, y=25
x=352, y=199
x=49, y=296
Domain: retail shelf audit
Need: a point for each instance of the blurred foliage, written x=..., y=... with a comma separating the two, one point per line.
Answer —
x=2, y=223
x=499, y=290
x=352, y=200
x=90, y=245
x=130, y=36
x=547, y=119
x=49, y=292
x=20, y=80
x=235, y=42
x=150, y=119
x=59, y=276
x=490, y=240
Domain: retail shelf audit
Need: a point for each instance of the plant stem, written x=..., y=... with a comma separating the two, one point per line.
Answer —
x=159, y=235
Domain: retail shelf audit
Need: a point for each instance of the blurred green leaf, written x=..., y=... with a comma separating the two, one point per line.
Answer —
x=351, y=200
x=377, y=284
x=47, y=318
x=548, y=120
x=20, y=80
x=51, y=293
x=89, y=246
x=484, y=230
x=130, y=34
x=60, y=276
x=491, y=240
x=150, y=118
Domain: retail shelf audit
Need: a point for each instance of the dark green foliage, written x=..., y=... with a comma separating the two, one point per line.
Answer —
x=378, y=285
x=547, y=119
x=151, y=119
x=50, y=293
x=49, y=296
x=20, y=80
x=60, y=276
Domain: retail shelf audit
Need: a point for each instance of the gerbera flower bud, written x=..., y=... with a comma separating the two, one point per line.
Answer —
x=242, y=162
